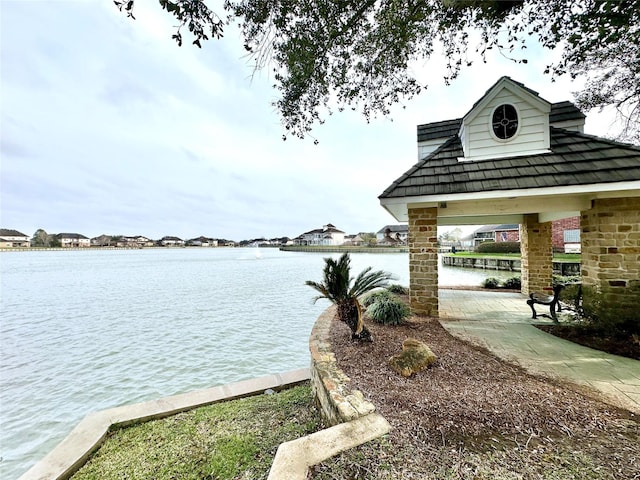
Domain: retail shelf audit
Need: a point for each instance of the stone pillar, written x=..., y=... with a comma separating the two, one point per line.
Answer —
x=610, y=237
x=423, y=261
x=537, y=254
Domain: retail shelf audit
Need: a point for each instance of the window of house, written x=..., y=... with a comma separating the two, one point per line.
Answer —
x=504, y=121
x=572, y=236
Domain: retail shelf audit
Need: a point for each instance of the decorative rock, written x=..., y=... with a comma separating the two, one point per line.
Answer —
x=415, y=357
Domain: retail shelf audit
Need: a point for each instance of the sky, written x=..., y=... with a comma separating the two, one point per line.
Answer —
x=108, y=127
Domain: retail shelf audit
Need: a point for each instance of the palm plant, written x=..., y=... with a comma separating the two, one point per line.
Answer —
x=342, y=290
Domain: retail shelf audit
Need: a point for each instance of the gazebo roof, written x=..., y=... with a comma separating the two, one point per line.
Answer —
x=558, y=184
x=575, y=159
x=474, y=173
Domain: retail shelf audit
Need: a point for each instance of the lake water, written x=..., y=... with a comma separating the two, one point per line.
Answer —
x=87, y=330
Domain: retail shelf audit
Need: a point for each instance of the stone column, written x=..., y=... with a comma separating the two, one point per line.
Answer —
x=537, y=254
x=610, y=237
x=423, y=261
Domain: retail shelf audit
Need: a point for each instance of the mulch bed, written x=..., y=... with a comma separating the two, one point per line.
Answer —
x=471, y=401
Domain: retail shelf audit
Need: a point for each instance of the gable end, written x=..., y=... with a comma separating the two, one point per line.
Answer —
x=526, y=127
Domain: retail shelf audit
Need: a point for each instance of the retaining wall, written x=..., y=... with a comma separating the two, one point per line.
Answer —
x=507, y=264
x=336, y=401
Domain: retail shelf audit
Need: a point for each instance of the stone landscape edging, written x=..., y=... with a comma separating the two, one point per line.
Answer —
x=294, y=458
x=336, y=401
x=73, y=452
x=353, y=419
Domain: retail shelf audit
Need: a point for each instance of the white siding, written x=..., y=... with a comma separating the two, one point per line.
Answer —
x=428, y=146
x=574, y=125
x=533, y=130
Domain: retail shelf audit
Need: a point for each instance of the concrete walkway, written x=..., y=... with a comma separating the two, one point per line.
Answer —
x=501, y=322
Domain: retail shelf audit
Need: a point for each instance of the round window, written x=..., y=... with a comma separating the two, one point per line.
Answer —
x=505, y=121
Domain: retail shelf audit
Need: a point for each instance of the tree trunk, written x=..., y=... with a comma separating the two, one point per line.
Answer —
x=350, y=312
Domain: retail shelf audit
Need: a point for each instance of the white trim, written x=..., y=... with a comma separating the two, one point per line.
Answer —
x=506, y=155
x=631, y=188
x=518, y=94
x=485, y=220
x=506, y=83
x=398, y=207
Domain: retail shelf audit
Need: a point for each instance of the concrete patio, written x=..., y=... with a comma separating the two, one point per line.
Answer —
x=501, y=322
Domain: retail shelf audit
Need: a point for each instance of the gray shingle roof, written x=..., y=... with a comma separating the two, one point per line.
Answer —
x=560, y=112
x=75, y=236
x=6, y=232
x=575, y=159
x=445, y=129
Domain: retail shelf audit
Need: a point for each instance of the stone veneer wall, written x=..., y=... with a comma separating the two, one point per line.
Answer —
x=610, y=237
x=423, y=261
x=537, y=255
x=336, y=401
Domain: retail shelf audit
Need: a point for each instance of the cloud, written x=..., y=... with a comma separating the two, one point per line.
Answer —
x=109, y=127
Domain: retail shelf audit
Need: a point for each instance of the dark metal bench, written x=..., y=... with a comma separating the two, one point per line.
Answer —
x=553, y=301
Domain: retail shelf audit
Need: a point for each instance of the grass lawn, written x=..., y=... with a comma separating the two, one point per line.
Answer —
x=229, y=440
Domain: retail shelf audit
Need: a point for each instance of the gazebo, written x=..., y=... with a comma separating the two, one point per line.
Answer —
x=517, y=158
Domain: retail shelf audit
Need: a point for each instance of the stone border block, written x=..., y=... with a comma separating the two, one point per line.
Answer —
x=293, y=459
x=336, y=401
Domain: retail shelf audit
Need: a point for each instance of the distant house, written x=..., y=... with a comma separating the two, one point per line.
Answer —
x=497, y=233
x=393, y=235
x=353, y=240
x=13, y=239
x=466, y=242
x=202, y=242
x=137, y=241
x=327, y=235
x=169, y=241
x=565, y=235
x=102, y=241
x=72, y=240
x=281, y=241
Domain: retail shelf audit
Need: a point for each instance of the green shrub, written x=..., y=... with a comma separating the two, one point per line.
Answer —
x=388, y=310
x=398, y=289
x=498, y=247
x=513, y=283
x=565, y=280
x=376, y=295
x=611, y=313
x=569, y=294
x=491, y=282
